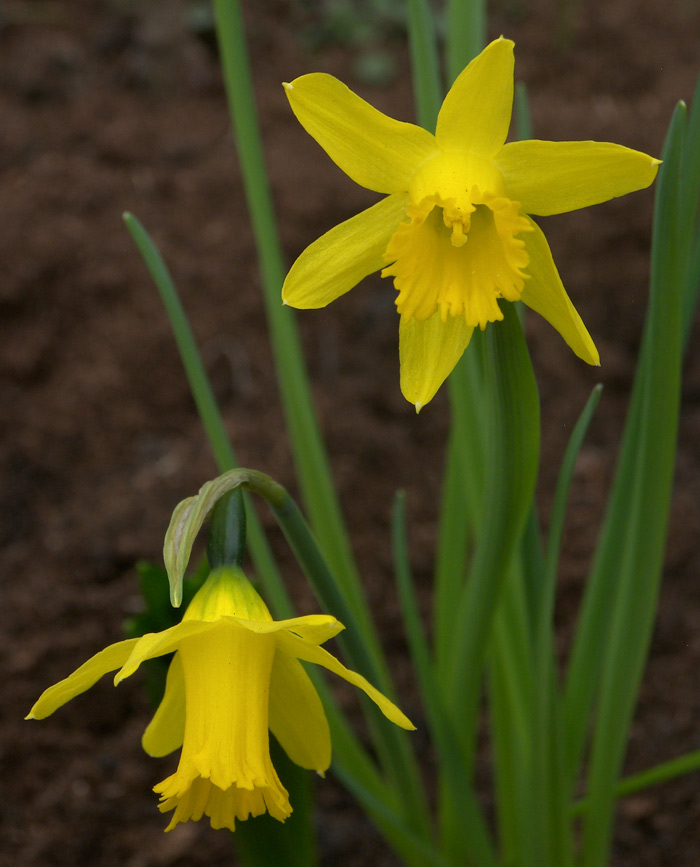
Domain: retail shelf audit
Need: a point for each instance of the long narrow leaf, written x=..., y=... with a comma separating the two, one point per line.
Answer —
x=511, y=702
x=466, y=33
x=511, y=473
x=589, y=647
x=476, y=840
x=460, y=510
x=689, y=222
x=548, y=781
x=558, y=513
x=410, y=609
x=394, y=743
x=662, y=773
x=427, y=85
x=642, y=545
x=511, y=470
x=207, y=407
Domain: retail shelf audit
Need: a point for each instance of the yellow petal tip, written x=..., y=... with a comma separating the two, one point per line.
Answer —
x=30, y=715
x=503, y=38
x=419, y=407
x=656, y=162
x=287, y=86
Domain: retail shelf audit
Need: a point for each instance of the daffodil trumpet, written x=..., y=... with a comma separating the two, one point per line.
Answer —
x=235, y=675
x=454, y=229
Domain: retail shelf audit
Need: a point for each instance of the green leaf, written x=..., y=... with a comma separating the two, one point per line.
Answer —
x=637, y=559
x=427, y=84
x=466, y=33
x=510, y=473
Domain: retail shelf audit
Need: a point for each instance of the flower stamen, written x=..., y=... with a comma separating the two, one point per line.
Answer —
x=458, y=258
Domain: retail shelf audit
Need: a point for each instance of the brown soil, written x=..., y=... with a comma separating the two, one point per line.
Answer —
x=111, y=106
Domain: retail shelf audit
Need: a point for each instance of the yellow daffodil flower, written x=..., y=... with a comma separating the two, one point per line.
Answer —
x=454, y=230
x=235, y=673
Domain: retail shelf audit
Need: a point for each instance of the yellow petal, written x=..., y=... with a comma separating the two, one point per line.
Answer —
x=549, y=177
x=545, y=294
x=227, y=674
x=376, y=151
x=338, y=260
x=297, y=718
x=428, y=352
x=83, y=678
x=475, y=115
x=315, y=628
x=159, y=643
x=166, y=730
x=296, y=646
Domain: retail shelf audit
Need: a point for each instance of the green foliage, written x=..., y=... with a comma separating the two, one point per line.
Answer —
x=495, y=575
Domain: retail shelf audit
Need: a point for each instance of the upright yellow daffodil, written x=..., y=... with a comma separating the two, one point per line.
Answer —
x=235, y=673
x=454, y=230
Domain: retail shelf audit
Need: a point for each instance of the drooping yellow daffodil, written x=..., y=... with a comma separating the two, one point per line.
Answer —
x=235, y=673
x=454, y=230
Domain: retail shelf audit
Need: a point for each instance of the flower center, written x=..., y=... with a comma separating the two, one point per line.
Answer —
x=458, y=258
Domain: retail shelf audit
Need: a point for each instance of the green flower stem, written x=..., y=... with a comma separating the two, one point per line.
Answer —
x=309, y=453
x=466, y=33
x=226, y=539
x=641, y=547
x=320, y=577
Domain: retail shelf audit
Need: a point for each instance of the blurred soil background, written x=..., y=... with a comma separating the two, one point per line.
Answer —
x=114, y=106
